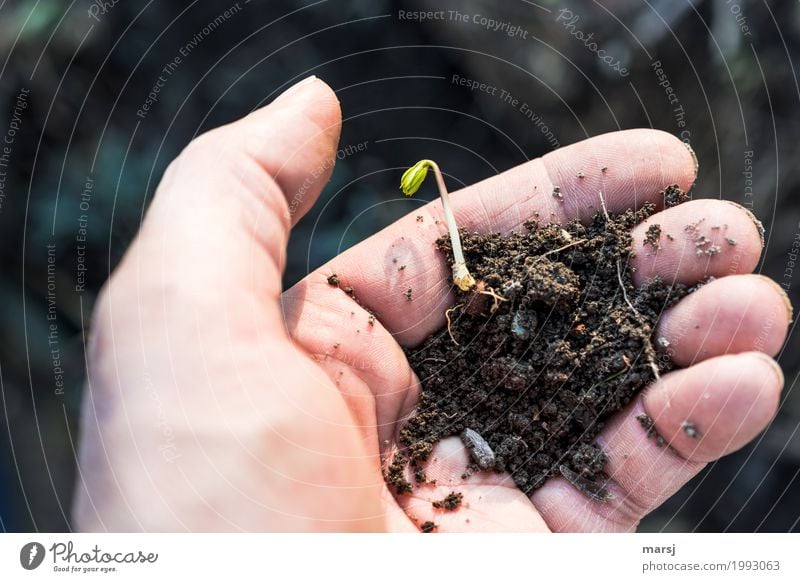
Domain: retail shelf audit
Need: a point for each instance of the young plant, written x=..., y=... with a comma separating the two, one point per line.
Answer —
x=410, y=182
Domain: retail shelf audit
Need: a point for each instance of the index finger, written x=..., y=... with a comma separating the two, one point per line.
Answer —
x=400, y=275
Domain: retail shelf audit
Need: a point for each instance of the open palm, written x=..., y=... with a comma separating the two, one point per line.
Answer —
x=216, y=401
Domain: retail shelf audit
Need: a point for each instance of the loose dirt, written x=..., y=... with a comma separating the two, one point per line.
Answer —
x=553, y=340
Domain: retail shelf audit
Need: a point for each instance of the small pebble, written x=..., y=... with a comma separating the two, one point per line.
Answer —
x=479, y=449
x=333, y=280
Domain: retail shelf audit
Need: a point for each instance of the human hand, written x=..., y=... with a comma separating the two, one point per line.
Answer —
x=216, y=402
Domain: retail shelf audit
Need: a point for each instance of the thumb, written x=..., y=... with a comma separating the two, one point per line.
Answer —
x=222, y=214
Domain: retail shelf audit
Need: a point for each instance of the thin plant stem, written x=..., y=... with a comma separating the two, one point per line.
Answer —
x=461, y=275
x=410, y=183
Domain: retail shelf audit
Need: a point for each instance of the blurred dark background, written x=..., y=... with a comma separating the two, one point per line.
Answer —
x=73, y=75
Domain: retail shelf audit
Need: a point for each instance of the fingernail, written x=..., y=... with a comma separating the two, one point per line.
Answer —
x=782, y=292
x=299, y=86
x=775, y=366
x=695, y=160
x=756, y=222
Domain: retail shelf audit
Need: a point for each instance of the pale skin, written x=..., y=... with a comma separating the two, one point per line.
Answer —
x=218, y=401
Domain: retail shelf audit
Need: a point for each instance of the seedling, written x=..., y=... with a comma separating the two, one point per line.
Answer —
x=410, y=183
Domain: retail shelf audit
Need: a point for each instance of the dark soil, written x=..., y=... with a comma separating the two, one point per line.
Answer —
x=650, y=428
x=653, y=236
x=552, y=341
x=428, y=527
x=450, y=503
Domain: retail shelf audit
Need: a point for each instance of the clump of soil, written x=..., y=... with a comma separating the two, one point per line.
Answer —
x=650, y=428
x=653, y=236
x=428, y=527
x=449, y=503
x=552, y=341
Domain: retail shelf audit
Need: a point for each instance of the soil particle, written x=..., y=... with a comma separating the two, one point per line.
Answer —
x=670, y=237
x=349, y=290
x=650, y=427
x=653, y=236
x=419, y=473
x=674, y=196
x=449, y=503
x=581, y=175
x=647, y=424
x=371, y=320
x=591, y=489
x=395, y=474
x=731, y=241
x=401, y=268
x=333, y=280
x=428, y=527
x=557, y=194
x=538, y=373
x=419, y=218
x=409, y=294
x=690, y=429
x=604, y=169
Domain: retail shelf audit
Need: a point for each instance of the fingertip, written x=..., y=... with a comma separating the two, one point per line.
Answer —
x=754, y=221
x=735, y=314
x=319, y=103
x=294, y=140
x=628, y=168
x=784, y=297
x=774, y=368
x=716, y=407
x=676, y=155
x=698, y=239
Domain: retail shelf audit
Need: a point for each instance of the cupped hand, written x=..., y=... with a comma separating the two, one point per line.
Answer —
x=215, y=401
